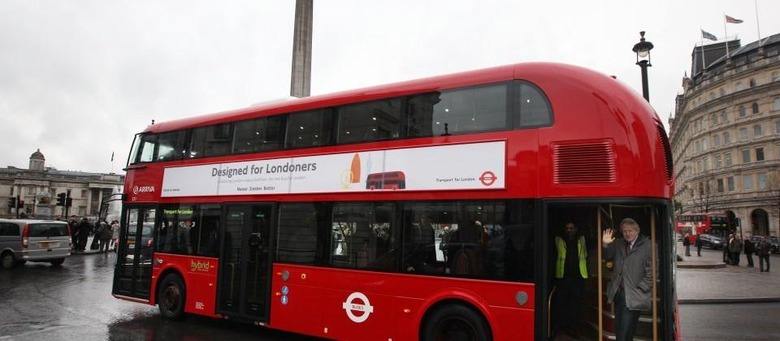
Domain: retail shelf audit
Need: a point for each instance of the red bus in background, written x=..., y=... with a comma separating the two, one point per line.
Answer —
x=694, y=224
x=261, y=214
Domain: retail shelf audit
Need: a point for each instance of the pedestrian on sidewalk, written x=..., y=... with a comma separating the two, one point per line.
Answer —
x=114, y=234
x=74, y=237
x=735, y=248
x=749, y=250
x=763, y=249
x=84, y=228
x=104, y=233
x=687, y=244
x=698, y=245
x=726, y=253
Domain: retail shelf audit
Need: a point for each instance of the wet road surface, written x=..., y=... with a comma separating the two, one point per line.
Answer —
x=73, y=302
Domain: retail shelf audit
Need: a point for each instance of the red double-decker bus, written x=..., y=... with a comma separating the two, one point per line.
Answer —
x=271, y=214
x=694, y=224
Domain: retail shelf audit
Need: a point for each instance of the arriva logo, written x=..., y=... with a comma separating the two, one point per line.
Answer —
x=143, y=189
x=196, y=265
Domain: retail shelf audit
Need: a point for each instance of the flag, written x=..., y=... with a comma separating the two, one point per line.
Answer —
x=731, y=20
x=707, y=35
x=112, y=156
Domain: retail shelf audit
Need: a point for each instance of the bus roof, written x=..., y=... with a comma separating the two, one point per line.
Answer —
x=544, y=74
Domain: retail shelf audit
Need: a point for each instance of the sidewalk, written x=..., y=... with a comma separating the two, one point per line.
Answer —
x=707, y=279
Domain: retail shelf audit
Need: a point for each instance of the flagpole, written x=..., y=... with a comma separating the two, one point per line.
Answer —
x=726, y=36
x=758, y=27
x=703, y=63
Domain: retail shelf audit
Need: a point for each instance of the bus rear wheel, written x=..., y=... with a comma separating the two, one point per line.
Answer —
x=455, y=322
x=170, y=297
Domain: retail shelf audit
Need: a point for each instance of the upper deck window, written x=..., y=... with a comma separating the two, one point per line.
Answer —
x=143, y=148
x=160, y=147
x=481, y=108
x=470, y=110
x=213, y=140
x=262, y=134
x=531, y=107
x=170, y=146
x=370, y=121
x=309, y=129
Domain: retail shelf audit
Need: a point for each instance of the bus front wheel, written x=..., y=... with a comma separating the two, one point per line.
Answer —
x=170, y=298
x=455, y=322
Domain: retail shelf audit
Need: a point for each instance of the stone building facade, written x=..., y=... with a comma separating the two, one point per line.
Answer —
x=725, y=135
x=38, y=187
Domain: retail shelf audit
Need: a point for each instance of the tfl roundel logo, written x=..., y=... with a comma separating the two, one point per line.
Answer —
x=488, y=178
x=358, y=307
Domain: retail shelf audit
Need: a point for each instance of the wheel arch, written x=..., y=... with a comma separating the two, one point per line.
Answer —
x=164, y=273
x=9, y=251
x=458, y=297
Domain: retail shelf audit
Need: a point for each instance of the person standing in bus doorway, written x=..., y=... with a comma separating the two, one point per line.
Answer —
x=630, y=288
x=687, y=244
x=571, y=272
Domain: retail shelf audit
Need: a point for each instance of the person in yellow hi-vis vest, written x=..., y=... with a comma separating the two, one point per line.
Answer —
x=571, y=272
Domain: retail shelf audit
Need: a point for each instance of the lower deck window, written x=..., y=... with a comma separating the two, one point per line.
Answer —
x=485, y=239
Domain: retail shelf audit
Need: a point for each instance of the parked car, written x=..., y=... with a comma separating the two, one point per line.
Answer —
x=711, y=241
x=775, y=244
x=28, y=240
x=774, y=241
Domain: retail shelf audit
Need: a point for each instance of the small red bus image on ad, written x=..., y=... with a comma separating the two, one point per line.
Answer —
x=386, y=180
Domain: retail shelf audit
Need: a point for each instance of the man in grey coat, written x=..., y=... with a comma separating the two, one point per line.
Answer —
x=632, y=283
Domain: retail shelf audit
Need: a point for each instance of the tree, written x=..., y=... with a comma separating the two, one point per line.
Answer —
x=771, y=196
x=702, y=197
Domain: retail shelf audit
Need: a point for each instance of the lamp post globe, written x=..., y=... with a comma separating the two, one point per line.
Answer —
x=642, y=50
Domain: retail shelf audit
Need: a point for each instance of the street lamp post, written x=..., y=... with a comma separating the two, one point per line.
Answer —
x=642, y=50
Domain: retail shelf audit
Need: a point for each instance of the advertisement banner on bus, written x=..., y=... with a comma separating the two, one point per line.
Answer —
x=453, y=167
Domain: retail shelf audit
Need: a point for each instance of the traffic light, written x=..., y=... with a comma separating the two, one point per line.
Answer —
x=12, y=202
x=69, y=202
x=61, y=199
x=20, y=204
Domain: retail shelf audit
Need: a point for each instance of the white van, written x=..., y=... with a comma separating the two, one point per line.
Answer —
x=23, y=240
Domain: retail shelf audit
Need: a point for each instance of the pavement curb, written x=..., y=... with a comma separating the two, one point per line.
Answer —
x=728, y=300
x=700, y=265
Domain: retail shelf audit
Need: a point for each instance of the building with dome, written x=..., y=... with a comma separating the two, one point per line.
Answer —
x=38, y=186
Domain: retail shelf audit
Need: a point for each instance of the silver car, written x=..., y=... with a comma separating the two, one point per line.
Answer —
x=26, y=240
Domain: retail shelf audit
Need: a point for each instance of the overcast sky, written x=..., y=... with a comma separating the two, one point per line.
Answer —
x=79, y=78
